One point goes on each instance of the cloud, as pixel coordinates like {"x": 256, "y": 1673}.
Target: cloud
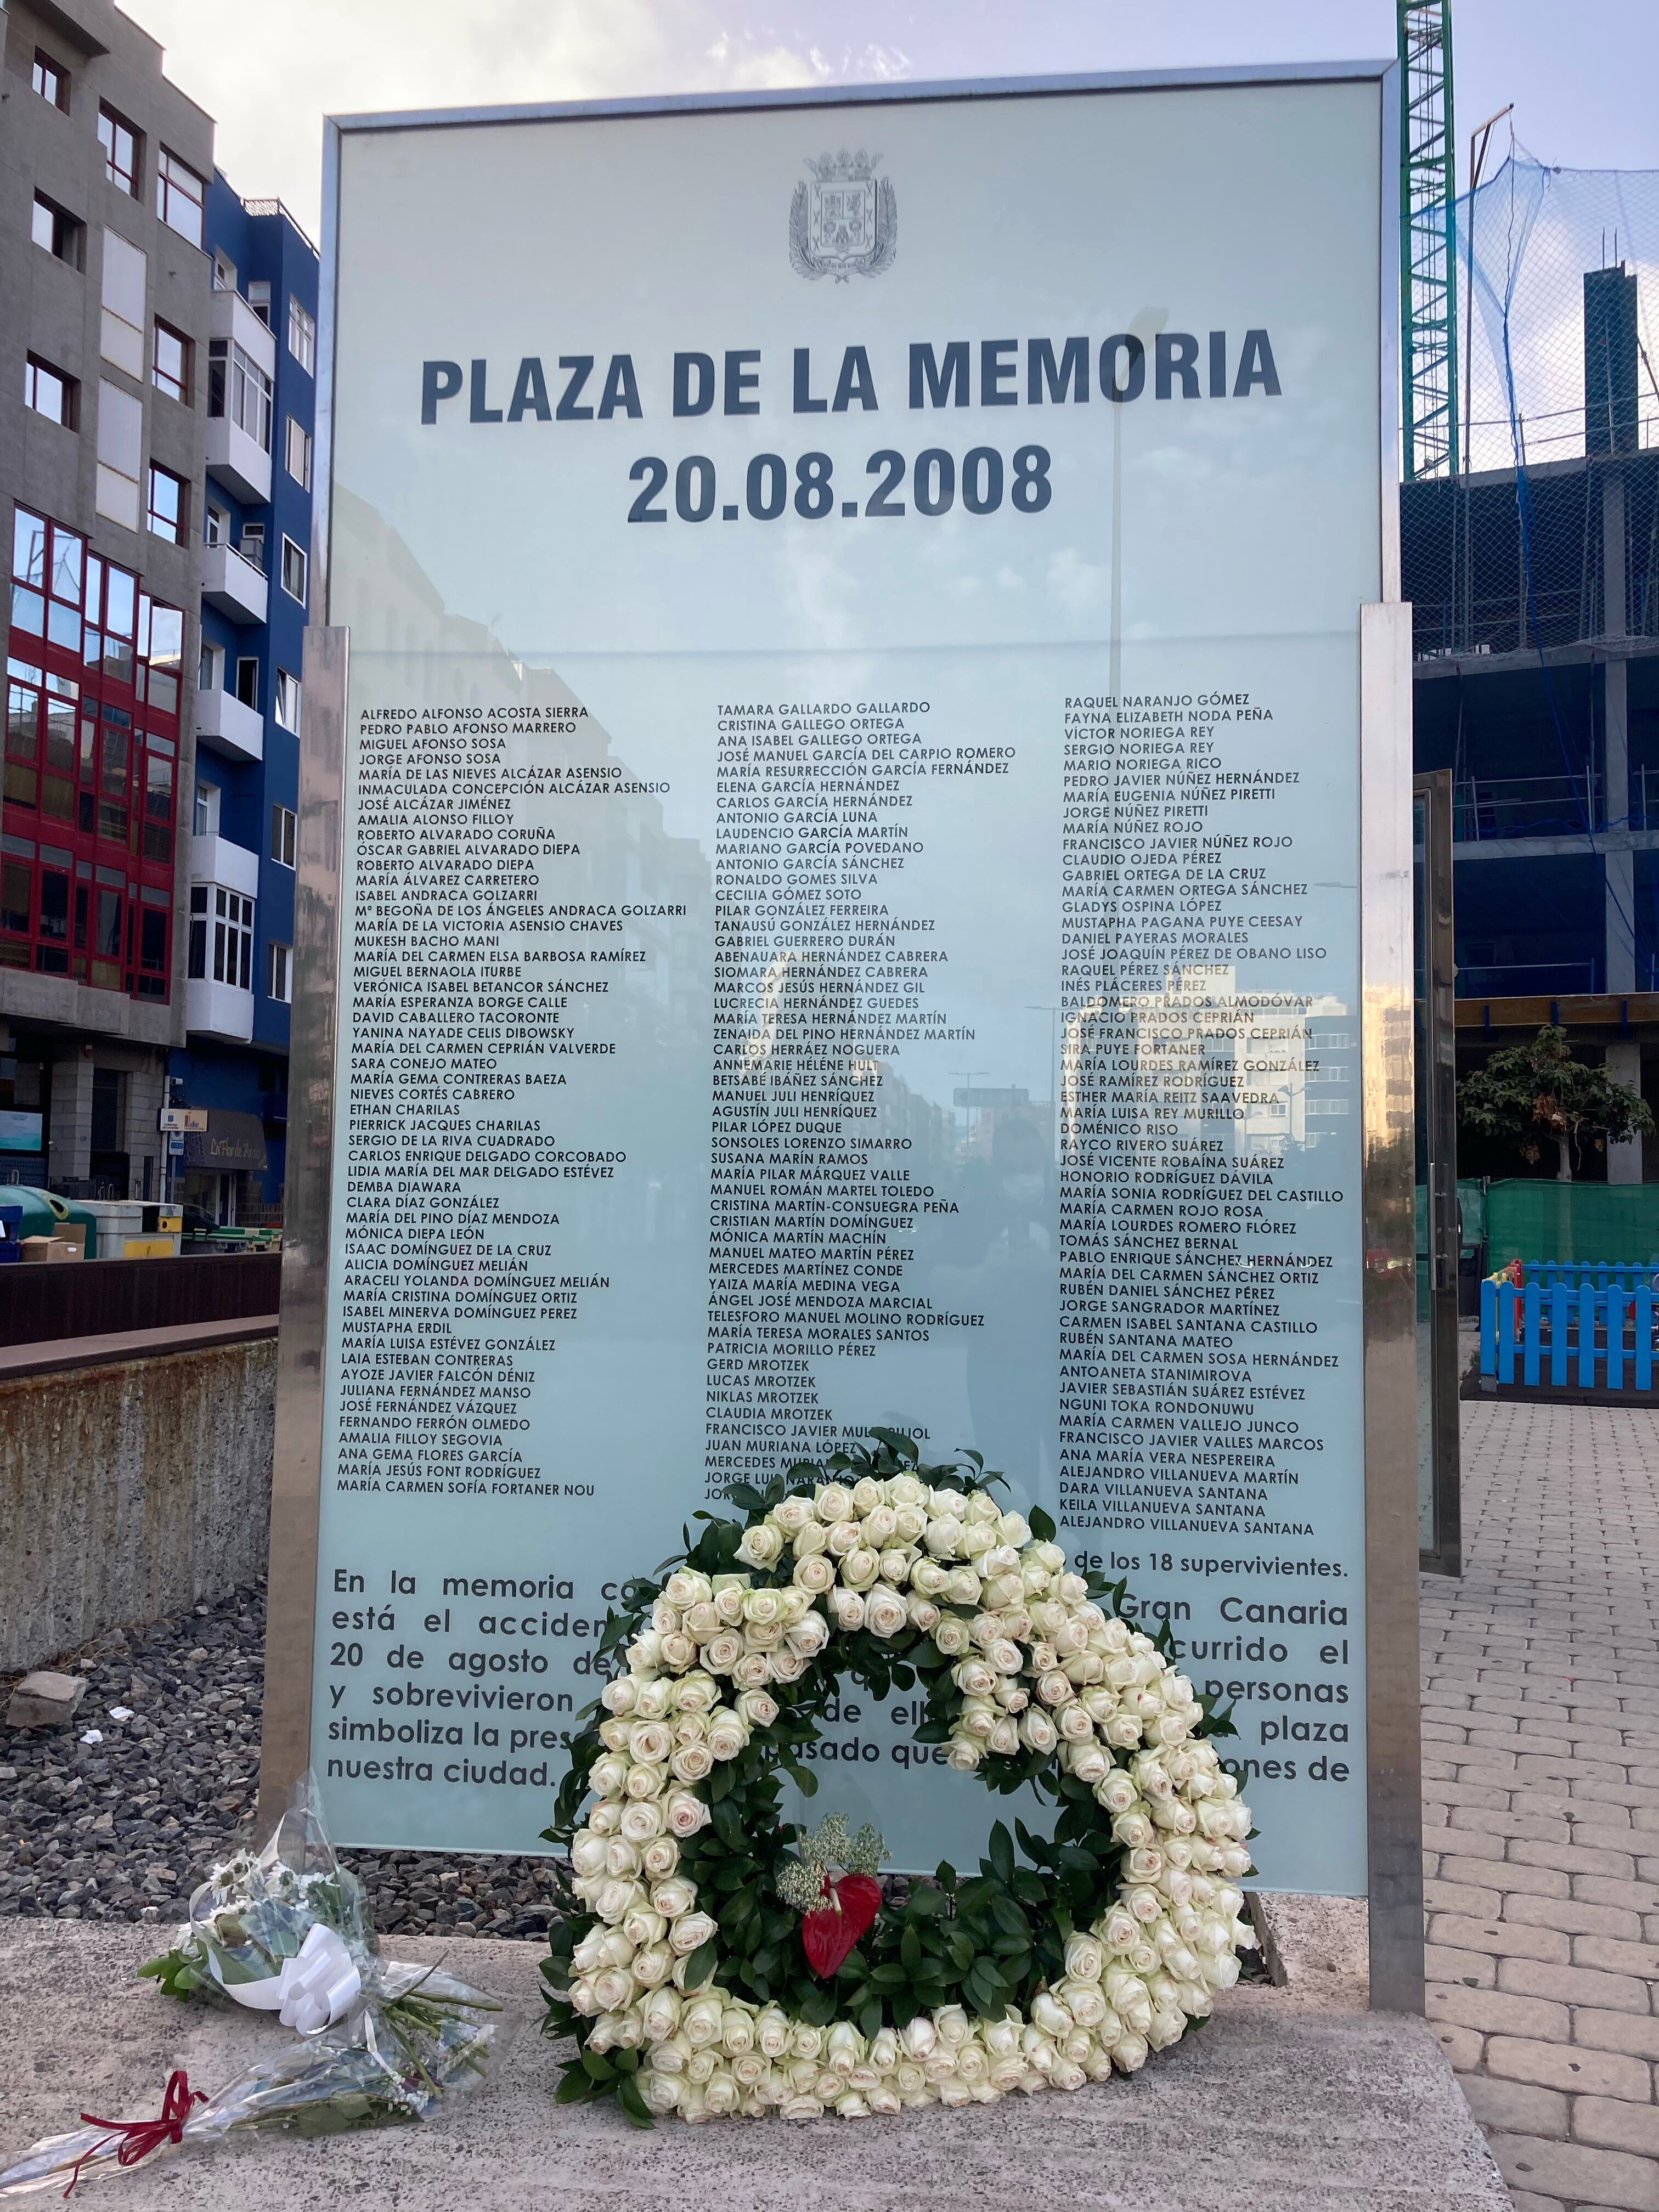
{"x": 269, "y": 76}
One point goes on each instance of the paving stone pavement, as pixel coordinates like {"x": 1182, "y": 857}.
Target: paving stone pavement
{"x": 1541, "y": 1744}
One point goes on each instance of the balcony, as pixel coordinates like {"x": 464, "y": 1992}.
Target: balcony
{"x": 233, "y": 585}
{"x": 239, "y": 462}
{"x": 218, "y": 1010}
{"x": 217, "y": 860}
{"x": 224, "y": 723}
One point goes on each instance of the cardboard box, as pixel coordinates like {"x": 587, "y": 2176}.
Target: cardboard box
{"x": 48, "y": 1250}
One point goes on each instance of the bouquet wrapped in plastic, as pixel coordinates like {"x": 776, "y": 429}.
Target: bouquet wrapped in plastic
{"x": 387, "y": 2063}
{"x": 288, "y": 1931}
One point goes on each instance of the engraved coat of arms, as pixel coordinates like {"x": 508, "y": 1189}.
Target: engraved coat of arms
{"x": 845, "y": 222}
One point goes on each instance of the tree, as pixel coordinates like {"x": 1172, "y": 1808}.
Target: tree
{"x": 1535, "y": 1093}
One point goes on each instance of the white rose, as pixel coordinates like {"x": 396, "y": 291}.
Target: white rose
{"x": 662, "y": 1855}
{"x": 1037, "y": 1730}
{"x": 787, "y": 1665}
{"x": 692, "y": 1762}
{"x": 646, "y": 1781}
{"x": 618, "y": 1695}
{"x": 928, "y": 1576}
{"x": 687, "y": 1814}
{"x": 606, "y": 1776}
{"x": 845, "y": 1538}
{"x": 964, "y": 1588}
{"x": 586, "y": 1852}
{"x": 737, "y": 2031}
{"x": 721, "y": 1653}
{"x": 690, "y": 1930}
{"x": 690, "y": 1727}
{"x": 616, "y": 1900}
{"x": 963, "y": 1756}
{"x": 613, "y": 1733}
{"x": 762, "y": 1546}
{"x": 696, "y": 1693}
{"x": 811, "y": 1541}
{"x": 793, "y": 1514}
{"x": 848, "y": 1608}
{"x": 809, "y": 1635}
{"x": 919, "y": 2036}
{"x": 1123, "y": 1731}
{"x": 922, "y": 1613}
{"x": 703, "y": 1620}
{"x": 859, "y": 1569}
{"x": 726, "y": 1735}
{"x": 1004, "y": 1738}
{"x": 880, "y": 1526}
{"x": 896, "y": 1565}
{"x": 653, "y": 1967}
{"x": 753, "y": 1671}
{"x": 1074, "y": 1724}
{"x": 1135, "y": 1831}
{"x": 950, "y": 1637}
{"x": 1089, "y": 1763}
{"x": 605, "y": 1818}
{"x": 614, "y": 1989}
{"x": 944, "y": 1537}
{"x": 650, "y": 1741}
{"x": 665, "y": 1617}
{"x": 978, "y": 1719}
{"x": 815, "y": 1575}
{"x": 729, "y": 1591}
{"x": 622, "y": 1858}
{"x": 1053, "y": 1688}
{"x": 685, "y": 1586}
{"x": 644, "y": 1926}
{"x": 756, "y": 1709}
{"x": 700, "y": 2022}
{"x": 973, "y": 1677}
{"x": 1005, "y": 1656}
{"x": 884, "y": 1612}
{"x": 1085, "y": 1960}
{"x": 833, "y": 1502}
{"x": 678, "y": 1651}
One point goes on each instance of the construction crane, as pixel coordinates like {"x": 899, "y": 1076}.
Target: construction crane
{"x": 1428, "y": 238}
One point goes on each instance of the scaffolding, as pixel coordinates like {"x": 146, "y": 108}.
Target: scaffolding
{"x": 1428, "y": 259}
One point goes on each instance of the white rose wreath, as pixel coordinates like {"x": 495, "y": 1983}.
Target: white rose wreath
{"x": 707, "y": 1958}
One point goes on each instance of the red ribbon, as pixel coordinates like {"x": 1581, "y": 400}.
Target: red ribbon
{"x": 143, "y": 2136}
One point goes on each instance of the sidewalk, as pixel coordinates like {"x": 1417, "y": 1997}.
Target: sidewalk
{"x": 1541, "y": 1727}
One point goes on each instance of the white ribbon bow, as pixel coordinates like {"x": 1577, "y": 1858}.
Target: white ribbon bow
{"x": 312, "y": 1990}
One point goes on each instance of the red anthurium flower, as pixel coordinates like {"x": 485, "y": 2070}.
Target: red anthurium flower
{"x": 830, "y": 1929}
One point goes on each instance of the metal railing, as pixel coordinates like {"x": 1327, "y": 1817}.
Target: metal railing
{"x": 1527, "y": 806}
{"x": 1528, "y": 980}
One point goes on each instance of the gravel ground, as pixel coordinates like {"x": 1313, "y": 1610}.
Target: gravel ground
{"x": 125, "y": 1828}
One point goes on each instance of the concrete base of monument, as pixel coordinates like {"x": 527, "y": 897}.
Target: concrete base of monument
{"x": 1280, "y": 2104}
{"x": 1315, "y": 1944}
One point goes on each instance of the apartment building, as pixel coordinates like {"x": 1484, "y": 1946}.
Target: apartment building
{"x": 255, "y": 555}
{"x": 105, "y": 301}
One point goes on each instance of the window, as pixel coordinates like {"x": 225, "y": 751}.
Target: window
{"x": 302, "y": 336}
{"x": 122, "y": 335}
{"x": 288, "y": 700}
{"x": 279, "y": 975}
{"x": 211, "y": 669}
{"x": 206, "y": 822}
{"x": 180, "y": 195}
{"x": 121, "y": 447}
{"x": 224, "y": 272}
{"x": 283, "y": 827}
{"x": 152, "y": 948}
{"x": 158, "y": 807}
{"x": 298, "y": 452}
{"x": 247, "y": 682}
{"x": 294, "y": 571}
{"x": 258, "y": 298}
{"x": 231, "y": 916}
{"x": 170, "y": 361}
{"x": 216, "y": 526}
{"x": 252, "y": 547}
{"x": 238, "y": 387}
{"x": 51, "y": 80}
{"x": 168, "y": 515}
{"x": 121, "y": 145}
{"x": 57, "y": 231}
{"x": 50, "y": 392}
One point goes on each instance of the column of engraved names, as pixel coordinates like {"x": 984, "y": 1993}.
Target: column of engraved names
{"x": 1181, "y": 1089}
{"x": 452, "y": 1023}
{"x": 822, "y": 980}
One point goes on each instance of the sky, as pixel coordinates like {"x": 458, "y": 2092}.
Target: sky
{"x": 1581, "y": 75}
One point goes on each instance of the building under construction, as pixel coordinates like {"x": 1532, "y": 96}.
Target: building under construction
{"x": 1531, "y": 554}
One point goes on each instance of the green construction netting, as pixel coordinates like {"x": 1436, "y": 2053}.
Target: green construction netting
{"x": 1537, "y": 1220}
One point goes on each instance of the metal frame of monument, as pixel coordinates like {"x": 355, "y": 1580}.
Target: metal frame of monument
{"x": 1393, "y": 1733}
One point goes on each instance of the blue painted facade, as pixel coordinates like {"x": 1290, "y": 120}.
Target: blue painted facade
{"x": 274, "y": 263}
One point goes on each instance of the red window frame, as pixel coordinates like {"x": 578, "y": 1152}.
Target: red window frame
{"x": 89, "y": 798}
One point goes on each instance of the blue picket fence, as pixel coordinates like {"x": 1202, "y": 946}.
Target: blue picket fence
{"x": 1585, "y": 1323}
